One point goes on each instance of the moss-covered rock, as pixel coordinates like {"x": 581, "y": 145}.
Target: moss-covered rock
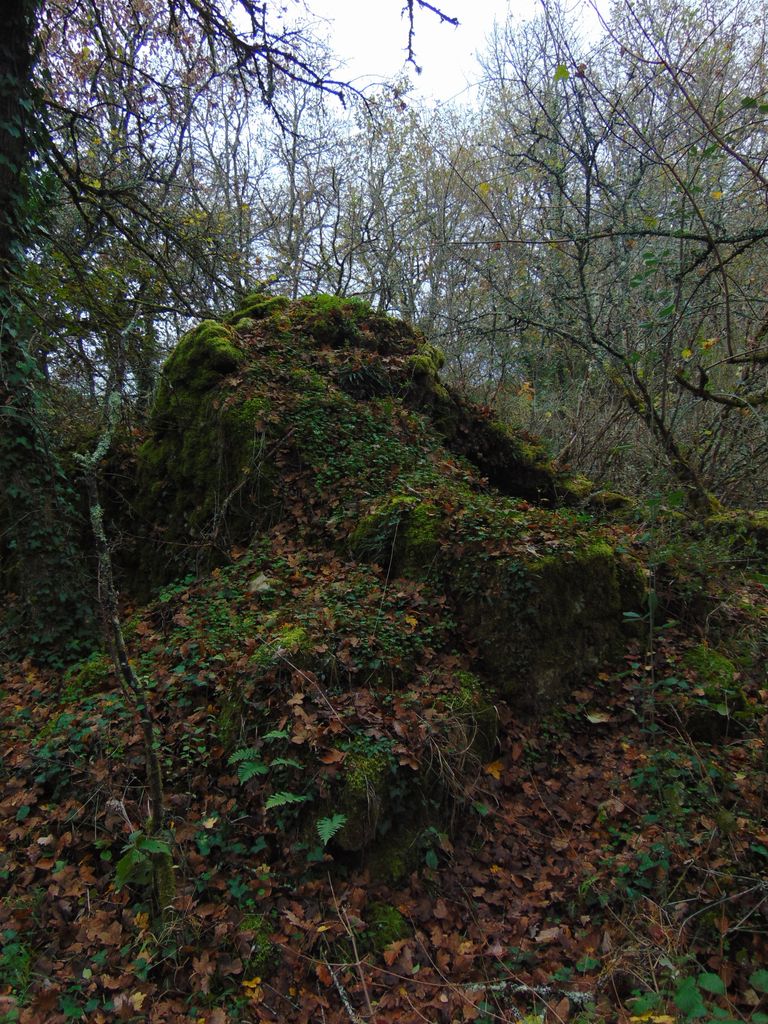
{"x": 401, "y": 533}
{"x": 610, "y": 501}
{"x": 713, "y": 670}
{"x": 372, "y": 562}
{"x": 718, "y": 706}
{"x": 203, "y": 475}
{"x": 426, "y": 363}
{"x": 331, "y": 320}
{"x": 541, "y": 622}
{"x": 364, "y": 793}
{"x": 254, "y": 307}
{"x": 745, "y": 531}
{"x": 537, "y": 613}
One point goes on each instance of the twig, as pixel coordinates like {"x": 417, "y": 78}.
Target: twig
{"x": 351, "y": 1012}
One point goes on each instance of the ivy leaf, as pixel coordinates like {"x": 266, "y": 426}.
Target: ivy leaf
{"x": 328, "y": 827}
{"x": 587, "y": 963}
{"x": 759, "y": 981}
{"x": 562, "y": 74}
{"x": 148, "y": 844}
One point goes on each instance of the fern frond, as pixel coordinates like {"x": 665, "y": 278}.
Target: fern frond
{"x": 245, "y": 754}
{"x": 285, "y": 762}
{"x": 328, "y": 827}
{"x": 248, "y": 769}
{"x": 279, "y": 799}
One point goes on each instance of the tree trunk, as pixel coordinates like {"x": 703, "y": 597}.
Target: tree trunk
{"x": 39, "y": 557}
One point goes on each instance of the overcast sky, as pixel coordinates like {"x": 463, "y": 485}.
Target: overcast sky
{"x": 371, "y": 36}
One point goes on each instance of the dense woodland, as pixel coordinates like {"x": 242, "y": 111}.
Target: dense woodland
{"x": 383, "y": 520}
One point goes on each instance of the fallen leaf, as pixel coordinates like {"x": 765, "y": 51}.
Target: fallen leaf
{"x": 562, "y": 1011}
{"x": 323, "y": 974}
{"x": 260, "y": 584}
{"x": 332, "y": 756}
{"x": 392, "y": 951}
{"x": 598, "y": 717}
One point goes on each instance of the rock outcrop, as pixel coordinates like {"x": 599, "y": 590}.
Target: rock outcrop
{"x": 371, "y": 536}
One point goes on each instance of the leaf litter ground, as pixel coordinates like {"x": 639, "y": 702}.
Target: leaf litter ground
{"x": 602, "y": 853}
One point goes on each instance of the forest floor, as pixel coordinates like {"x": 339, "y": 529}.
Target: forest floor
{"x": 610, "y": 867}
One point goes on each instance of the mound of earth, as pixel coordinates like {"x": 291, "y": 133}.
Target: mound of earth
{"x": 369, "y": 564}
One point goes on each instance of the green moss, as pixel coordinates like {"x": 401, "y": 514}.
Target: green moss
{"x": 89, "y": 676}
{"x": 364, "y": 793}
{"x": 401, "y": 534}
{"x": 291, "y": 643}
{"x": 197, "y": 364}
{"x": 714, "y": 671}
{"x": 264, "y": 953}
{"x": 719, "y": 706}
{"x": 385, "y": 925}
{"x": 421, "y": 366}
{"x": 581, "y": 487}
{"x": 476, "y": 713}
{"x": 164, "y": 883}
{"x": 611, "y": 501}
{"x": 229, "y": 722}
{"x": 257, "y": 306}
{"x": 330, "y": 319}
{"x": 426, "y": 362}
{"x": 525, "y": 450}
{"x": 203, "y": 478}
{"x": 745, "y": 532}
{"x": 365, "y": 770}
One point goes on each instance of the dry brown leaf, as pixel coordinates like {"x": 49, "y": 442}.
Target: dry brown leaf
{"x": 332, "y": 756}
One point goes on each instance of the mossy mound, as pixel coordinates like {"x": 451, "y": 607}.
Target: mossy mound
{"x": 323, "y": 383}
{"x": 202, "y": 478}
{"x": 745, "y": 531}
{"x": 324, "y": 414}
{"x": 540, "y": 597}
{"x": 717, "y": 706}
{"x": 390, "y": 578}
{"x": 261, "y": 954}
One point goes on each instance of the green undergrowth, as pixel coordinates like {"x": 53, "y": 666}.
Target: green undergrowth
{"x": 407, "y": 691}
